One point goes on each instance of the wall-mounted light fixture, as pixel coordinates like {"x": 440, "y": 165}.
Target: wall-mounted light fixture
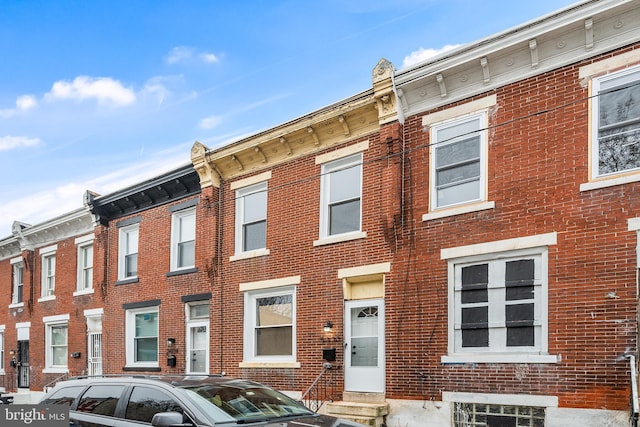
{"x": 171, "y": 342}
{"x": 328, "y": 326}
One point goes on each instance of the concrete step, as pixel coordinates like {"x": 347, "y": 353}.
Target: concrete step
{"x": 371, "y": 414}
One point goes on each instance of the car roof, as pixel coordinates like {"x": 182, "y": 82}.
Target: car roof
{"x": 172, "y": 380}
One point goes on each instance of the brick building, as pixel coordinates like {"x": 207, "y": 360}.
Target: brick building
{"x": 459, "y": 241}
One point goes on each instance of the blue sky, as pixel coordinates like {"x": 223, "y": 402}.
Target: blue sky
{"x": 99, "y": 95}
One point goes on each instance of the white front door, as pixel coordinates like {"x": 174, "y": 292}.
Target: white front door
{"x": 197, "y": 348}
{"x": 364, "y": 346}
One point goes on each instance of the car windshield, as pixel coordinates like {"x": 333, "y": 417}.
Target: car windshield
{"x": 249, "y": 402}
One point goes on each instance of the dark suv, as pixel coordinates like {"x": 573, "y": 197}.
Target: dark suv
{"x": 180, "y": 401}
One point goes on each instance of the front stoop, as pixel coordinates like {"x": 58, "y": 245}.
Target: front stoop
{"x": 370, "y": 414}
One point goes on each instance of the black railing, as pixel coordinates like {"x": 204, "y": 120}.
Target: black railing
{"x": 323, "y": 388}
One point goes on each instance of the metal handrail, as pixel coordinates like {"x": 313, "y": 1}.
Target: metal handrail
{"x": 48, "y": 386}
{"x": 321, "y": 390}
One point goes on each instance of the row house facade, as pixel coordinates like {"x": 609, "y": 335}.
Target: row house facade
{"x": 455, "y": 246}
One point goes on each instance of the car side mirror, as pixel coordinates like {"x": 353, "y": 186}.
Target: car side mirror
{"x": 168, "y": 419}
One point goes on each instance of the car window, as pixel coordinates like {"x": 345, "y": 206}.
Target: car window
{"x": 64, "y": 396}
{"x": 145, "y": 402}
{"x": 101, "y": 399}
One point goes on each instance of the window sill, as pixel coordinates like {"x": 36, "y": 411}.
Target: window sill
{"x": 16, "y": 305}
{"x": 250, "y": 254}
{"x": 126, "y": 281}
{"x": 269, "y": 364}
{"x": 55, "y": 370}
{"x": 340, "y": 238}
{"x": 181, "y": 272}
{"x": 500, "y": 358}
{"x": 83, "y": 292}
{"x": 458, "y": 210}
{"x": 45, "y": 299}
{"x": 609, "y": 182}
{"x": 154, "y": 368}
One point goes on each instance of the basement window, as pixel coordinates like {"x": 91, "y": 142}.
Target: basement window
{"x": 485, "y": 415}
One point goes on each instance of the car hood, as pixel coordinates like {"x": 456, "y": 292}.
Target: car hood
{"x": 312, "y": 421}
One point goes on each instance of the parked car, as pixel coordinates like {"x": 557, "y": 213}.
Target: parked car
{"x": 165, "y": 401}
{"x": 5, "y": 399}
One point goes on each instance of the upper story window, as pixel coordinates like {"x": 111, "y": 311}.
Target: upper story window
{"x": 84, "y": 282}
{"x": 616, "y": 123}
{"x": 251, "y": 218}
{"x": 341, "y": 196}
{"x": 458, "y": 161}
{"x": 17, "y": 269}
{"x": 498, "y": 303}
{"x": 48, "y": 275}
{"x": 128, "y": 252}
{"x": 142, "y": 337}
{"x": 183, "y": 239}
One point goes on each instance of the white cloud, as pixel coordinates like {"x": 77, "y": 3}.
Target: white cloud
{"x": 23, "y": 103}
{"x": 186, "y": 54}
{"x": 103, "y": 89}
{"x": 424, "y": 54}
{"x": 210, "y": 122}
{"x": 11, "y": 142}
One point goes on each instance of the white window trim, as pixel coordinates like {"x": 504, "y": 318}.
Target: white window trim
{"x": 197, "y": 322}
{"x": 130, "y": 336}
{"x": 501, "y": 399}
{"x": 45, "y": 253}
{"x": 175, "y": 238}
{"x": 482, "y": 118}
{"x": 249, "y": 358}
{"x": 81, "y": 244}
{"x": 49, "y": 322}
{"x": 326, "y": 169}
{"x": 241, "y": 192}
{"x": 2, "y": 348}
{"x": 122, "y": 231}
{"x": 529, "y": 245}
{"x": 12, "y": 262}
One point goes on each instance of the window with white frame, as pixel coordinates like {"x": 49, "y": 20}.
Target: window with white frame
{"x": 84, "y": 280}
{"x": 17, "y": 269}
{"x": 458, "y": 161}
{"x": 251, "y": 218}
{"x": 499, "y": 303}
{"x": 616, "y": 123}
{"x": 128, "y": 252}
{"x": 142, "y": 337}
{"x": 1, "y": 348}
{"x": 56, "y": 343}
{"x": 341, "y": 196}
{"x": 48, "y": 281}
{"x": 183, "y": 239}
{"x": 270, "y": 325}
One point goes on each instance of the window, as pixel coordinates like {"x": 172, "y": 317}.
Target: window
{"x": 85, "y": 267}
{"x": 616, "y": 123}
{"x": 142, "y": 337}
{"x": 128, "y": 252}
{"x": 64, "y": 396}
{"x": 458, "y": 163}
{"x": 481, "y": 414}
{"x": 340, "y": 198}
{"x": 48, "y": 282}
{"x": 145, "y": 402}
{"x": 251, "y": 218}
{"x": 18, "y": 282}
{"x": 270, "y": 329}
{"x": 101, "y": 399}
{"x": 56, "y": 343}
{"x": 183, "y": 239}
{"x": 2, "y": 349}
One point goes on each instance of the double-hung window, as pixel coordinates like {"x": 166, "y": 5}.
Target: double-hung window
{"x": 2, "y": 349}
{"x": 251, "y": 218}
{"x": 458, "y": 161}
{"x": 183, "y": 239}
{"x": 84, "y": 282}
{"x": 341, "y": 196}
{"x": 616, "y": 123}
{"x": 48, "y": 274}
{"x": 17, "y": 269}
{"x": 498, "y": 302}
{"x": 128, "y": 252}
{"x": 142, "y": 337}
{"x": 56, "y": 343}
{"x": 270, "y": 325}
